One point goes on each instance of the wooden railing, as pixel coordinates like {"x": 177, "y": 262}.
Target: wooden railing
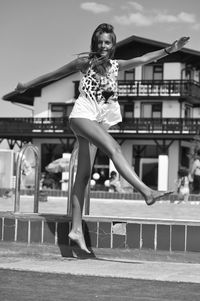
{"x": 60, "y": 126}
{"x": 155, "y": 88}
{"x": 34, "y": 125}
{"x": 159, "y": 126}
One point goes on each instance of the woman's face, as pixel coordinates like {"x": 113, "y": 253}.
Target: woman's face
{"x": 104, "y": 44}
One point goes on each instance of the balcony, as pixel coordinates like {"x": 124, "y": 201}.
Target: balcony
{"x": 34, "y": 127}
{"x": 23, "y": 128}
{"x": 166, "y": 88}
{"x": 156, "y": 88}
{"x": 175, "y": 126}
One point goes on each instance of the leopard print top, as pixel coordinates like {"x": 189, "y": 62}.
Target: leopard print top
{"x": 100, "y": 88}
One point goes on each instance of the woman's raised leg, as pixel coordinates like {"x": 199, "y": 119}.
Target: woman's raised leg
{"x": 86, "y": 155}
{"x": 94, "y": 132}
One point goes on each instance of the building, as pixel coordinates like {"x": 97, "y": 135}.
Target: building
{"x": 160, "y": 104}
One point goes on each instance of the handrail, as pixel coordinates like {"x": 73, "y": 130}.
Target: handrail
{"x": 55, "y": 127}
{"x": 175, "y": 126}
{"x": 155, "y": 88}
{"x": 18, "y": 177}
{"x": 166, "y": 88}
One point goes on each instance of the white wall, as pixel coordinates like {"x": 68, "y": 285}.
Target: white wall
{"x": 60, "y": 91}
{"x": 196, "y": 112}
{"x": 137, "y": 109}
{"x": 171, "y": 109}
{"x": 172, "y": 71}
{"x": 121, "y": 75}
{"x": 138, "y": 73}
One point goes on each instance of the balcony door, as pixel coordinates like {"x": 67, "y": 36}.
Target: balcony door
{"x": 187, "y": 111}
{"x": 151, "y": 110}
{"x": 152, "y": 72}
{"x": 145, "y": 162}
{"x": 149, "y": 171}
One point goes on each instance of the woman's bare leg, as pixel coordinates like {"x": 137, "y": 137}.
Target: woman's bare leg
{"x": 86, "y": 155}
{"x": 93, "y": 132}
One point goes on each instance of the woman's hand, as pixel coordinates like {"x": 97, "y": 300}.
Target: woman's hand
{"x": 21, "y": 88}
{"x": 177, "y": 45}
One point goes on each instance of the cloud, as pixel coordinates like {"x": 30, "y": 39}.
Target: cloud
{"x": 137, "y": 19}
{"x": 132, "y": 5}
{"x": 187, "y": 18}
{"x": 143, "y": 18}
{"x": 94, "y": 7}
{"x": 165, "y": 18}
{"x": 136, "y": 5}
{"x": 182, "y": 17}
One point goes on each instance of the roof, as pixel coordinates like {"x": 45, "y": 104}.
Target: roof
{"x": 158, "y": 44}
{"x": 125, "y": 48}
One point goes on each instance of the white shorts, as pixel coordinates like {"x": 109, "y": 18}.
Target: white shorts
{"x": 108, "y": 114}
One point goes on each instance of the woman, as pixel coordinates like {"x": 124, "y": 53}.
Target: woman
{"x": 95, "y": 110}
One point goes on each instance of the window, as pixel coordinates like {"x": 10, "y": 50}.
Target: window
{"x": 61, "y": 110}
{"x": 153, "y": 72}
{"x": 128, "y": 111}
{"x": 151, "y": 110}
{"x": 187, "y": 112}
{"x": 129, "y": 75}
{"x": 157, "y": 72}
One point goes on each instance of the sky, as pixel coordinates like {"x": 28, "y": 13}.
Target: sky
{"x": 39, "y": 36}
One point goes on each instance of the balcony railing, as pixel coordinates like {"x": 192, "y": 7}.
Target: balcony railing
{"x": 25, "y": 126}
{"x": 59, "y": 127}
{"x": 159, "y": 126}
{"x": 155, "y": 88}
{"x": 167, "y": 88}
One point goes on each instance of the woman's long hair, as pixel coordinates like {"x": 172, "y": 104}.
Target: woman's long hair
{"x": 99, "y": 63}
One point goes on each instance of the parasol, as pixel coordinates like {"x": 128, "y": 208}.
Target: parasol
{"x": 59, "y": 165}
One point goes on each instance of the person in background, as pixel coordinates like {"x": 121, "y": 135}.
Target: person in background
{"x": 183, "y": 189}
{"x": 114, "y": 183}
{"x": 195, "y": 174}
{"x": 96, "y": 110}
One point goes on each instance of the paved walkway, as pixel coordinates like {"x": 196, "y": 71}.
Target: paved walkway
{"x": 177, "y": 267}
{"x": 133, "y": 265}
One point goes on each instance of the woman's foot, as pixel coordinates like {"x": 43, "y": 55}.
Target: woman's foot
{"x": 155, "y": 196}
{"x": 78, "y": 238}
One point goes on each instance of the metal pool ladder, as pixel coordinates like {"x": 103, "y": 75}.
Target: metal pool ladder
{"x": 18, "y": 177}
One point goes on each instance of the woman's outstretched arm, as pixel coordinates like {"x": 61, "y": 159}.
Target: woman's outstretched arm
{"x": 153, "y": 56}
{"x": 73, "y": 66}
